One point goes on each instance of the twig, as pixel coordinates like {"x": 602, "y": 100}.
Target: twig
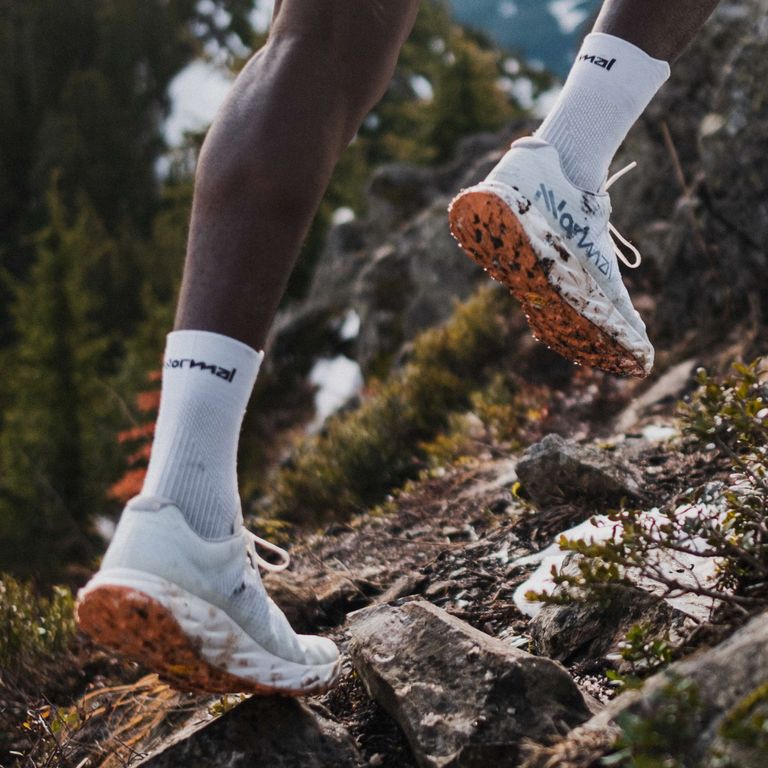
{"x": 686, "y": 190}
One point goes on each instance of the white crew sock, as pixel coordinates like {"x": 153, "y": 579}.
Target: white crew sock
{"x": 207, "y": 382}
{"x": 610, "y": 85}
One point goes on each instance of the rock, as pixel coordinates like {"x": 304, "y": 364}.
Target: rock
{"x": 410, "y": 284}
{"x": 699, "y": 709}
{"x": 670, "y": 387}
{"x": 264, "y": 731}
{"x": 297, "y": 598}
{"x": 441, "y": 588}
{"x": 464, "y": 699}
{"x": 554, "y": 471}
{"x": 398, "y": 191}
{"x": 313, "y": 601}
{"x": 408, "y": 584}
{"x": 398, "y": 267}
{"x": 338, "y": 594}
{"x": 588, "y": 630}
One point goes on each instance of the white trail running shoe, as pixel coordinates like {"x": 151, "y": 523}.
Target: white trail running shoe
{"x": 551, "y": 244}
{"x": 196, "y": 612}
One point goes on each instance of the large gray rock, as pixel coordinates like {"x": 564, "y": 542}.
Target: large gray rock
{"x": 398, "y": 267}
{"x": 263, "y": 731}
{"x": 409, "y": 285}
{"x": 554, "y": 471}
{"x": 699, "y": 711}
{"x": 463, "y": 698}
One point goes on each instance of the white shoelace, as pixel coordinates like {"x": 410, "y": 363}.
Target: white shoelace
{"x": 253, "y": 540}
{"x": 612, "y": 231}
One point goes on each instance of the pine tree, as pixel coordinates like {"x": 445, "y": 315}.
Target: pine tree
{"x": 60, "y": 414}
{"x": 84, "y": 93}
{"x": 467, "y": 98}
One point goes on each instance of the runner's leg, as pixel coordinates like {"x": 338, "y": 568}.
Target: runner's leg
{"x": 662, "y": 28}
{"x": 269, "y": 155}
{"x": 179, "y": 588}
{"x": 598, "y": 105}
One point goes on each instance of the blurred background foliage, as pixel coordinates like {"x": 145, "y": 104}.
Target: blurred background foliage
{"x": 93, "y": 219}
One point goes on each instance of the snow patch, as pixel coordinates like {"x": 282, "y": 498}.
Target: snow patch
{"x": 658, "y": 433}
{"x": 511, "y": 66}
{"x": 350, "y": 326}
{"x": 521, "y": 89}
{"x": 422, "y": 88}
{"x": 338, "y": 380}
{"x": 342, "y": 216}
{"x": 689, "y": 569}
{"x": 196, "y": 94}
{"x": 261, "y": 15}
{"x": 569, "y": 14}
{"x": 437, "y": 45}
{"x": 545, "y": 101}
{"x": 105, "y": 527}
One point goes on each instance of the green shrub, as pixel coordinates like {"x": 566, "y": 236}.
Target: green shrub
{"x": 747, "y": 723}
{"x": 508, "y": 409}
{"x": 500, "y": 417}
{"x": 731, "y": 413}
{"x": 661, "y": 737}
{"x": 31, "y": 626}
{"x": 362, "y": 455}
{"x": 728, "y": 416}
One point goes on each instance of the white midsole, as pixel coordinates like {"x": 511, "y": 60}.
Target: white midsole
{"x": 570, "y": 277}
{"x": 223, "y": 643}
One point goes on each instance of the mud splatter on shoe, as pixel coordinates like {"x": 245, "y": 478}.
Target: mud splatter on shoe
{"x": 553, "y": 246}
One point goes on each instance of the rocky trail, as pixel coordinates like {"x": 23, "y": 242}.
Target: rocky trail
{"x": 446, "y": 663}
{"x": 443, "y": 665}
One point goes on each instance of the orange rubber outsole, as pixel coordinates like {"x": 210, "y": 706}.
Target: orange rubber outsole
{"x": 493, "y": 237}
{"x": 140, "y": 628}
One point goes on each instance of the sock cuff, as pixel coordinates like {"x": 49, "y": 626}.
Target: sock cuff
{"x": 616, "y": 55}
{"x": 214, "y": 339}
{"x": 207, "y": 359}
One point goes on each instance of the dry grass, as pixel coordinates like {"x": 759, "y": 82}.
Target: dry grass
{"x": 111, "y": 727}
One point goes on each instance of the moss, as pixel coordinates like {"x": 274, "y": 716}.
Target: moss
{"x": 747, "y": 723}
{"x": 31, "y": 626}
{"x": 663, "y": 736}
{"x": 508, "y": 409}
{"x": 362, "y": 455}
{"x": 459, "y": 441}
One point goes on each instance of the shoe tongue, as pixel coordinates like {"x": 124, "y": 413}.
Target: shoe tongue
{"x": 149, "y": 503}
{"x": 530, "y": 142}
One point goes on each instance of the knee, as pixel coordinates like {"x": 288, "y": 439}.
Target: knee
{"x": 356, "y": 44}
